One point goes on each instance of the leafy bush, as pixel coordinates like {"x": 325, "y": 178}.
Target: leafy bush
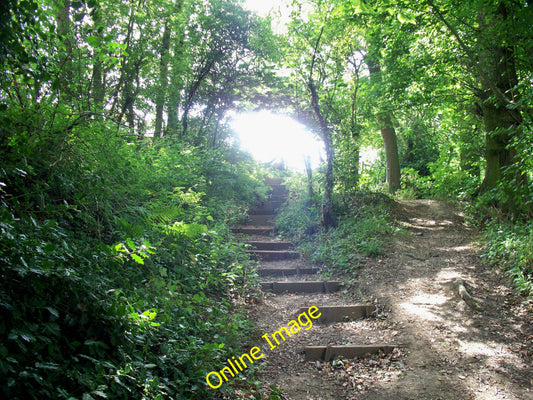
{"x": 510, "y": 247}
{"x": 418, "y": 147}
{"x": 414, "y": 186}
{"x": 119, "y": 274}
{"x": 364, "y": 224}
{"x": 446, "y": 181}
{"x": 299, "y": 218}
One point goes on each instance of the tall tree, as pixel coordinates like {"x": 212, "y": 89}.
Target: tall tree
{"x": 319, "y": 64}
{"x": 163, "y": 80}
{"x": 487, "y": 34}
{"x": 384, "y": 117}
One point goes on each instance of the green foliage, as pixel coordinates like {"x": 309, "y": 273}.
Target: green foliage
{"x": 299, "y": 217}
{"x": 419, "y": 148}
{"x": 445, "y": 181}
{"x": 509, "y": 247}
{"x": 364, "y": 226}
{"x": 119, "y": 273}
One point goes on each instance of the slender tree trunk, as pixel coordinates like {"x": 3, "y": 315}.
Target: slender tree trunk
{"x": 163, "y": 76}
{"x": 62, "y": 16}
{"x": 354, "y": 131}
{"x": 388, "y": 133}
{"x": 193, "y": 89}
{"x": 177, "y": 69}
{"x": 215, "y": 132}
{"x": 98, "y": 90}
{"x": 201, "y": 138}
{"x": 309, "y": 171}
{"x": 176, "y": 85}
{"x": 328, "y": 220}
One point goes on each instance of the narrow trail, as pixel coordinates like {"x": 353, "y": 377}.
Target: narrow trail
{"x": 457, "y": 349}
{"x": 433, "y": 344}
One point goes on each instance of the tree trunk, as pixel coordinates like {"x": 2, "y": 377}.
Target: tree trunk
{"x": 176, "y": 85}
{"x": 499, "y": 79}
{"x": 193, "y": 89}
{"x": 163, "y": 76}
{"x": 98, "y": 91}
{"x": 177, "y": 70}
{"x": 496, "y": 73}
{"x": 309, "y": 170}
{"x": 388, "y": 133}
{"x": 62, "y": 16}
{"x": 354, "y": 129}
{"x": 328, "y": 220}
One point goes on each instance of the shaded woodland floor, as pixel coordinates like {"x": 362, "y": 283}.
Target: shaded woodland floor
{"x": 448, "y": 348}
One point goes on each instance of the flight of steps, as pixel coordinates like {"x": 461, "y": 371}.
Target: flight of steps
{"x": 283, "y": 271}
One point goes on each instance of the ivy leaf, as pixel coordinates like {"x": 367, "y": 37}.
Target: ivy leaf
{"x": 406, "y": 19}
{"x": 53, "y": 311}
{"x": 137, "y": 259}
{"x": 131, "y": 245}
{"x": 93, "y": 41}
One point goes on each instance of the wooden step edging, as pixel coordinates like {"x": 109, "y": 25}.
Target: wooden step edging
{"x": 254, "y": 230}
{"x": 344, "y": 313}
{"x": 274, "y": 255}
{"x": 267, "y": 208}
{"x": 329, "y": 353}
{"x": 257, "y": 245}
{"x": 301, "y": 287}
{"x": 261, "y": 219}
{"x": 273, "y": 181}
{"x": 281, "y": 272}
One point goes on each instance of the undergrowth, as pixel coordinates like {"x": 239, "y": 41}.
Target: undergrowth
{"x": 364, "y": 226}
{"x": 119, "y": 277}
{"x": 510, "y": 247}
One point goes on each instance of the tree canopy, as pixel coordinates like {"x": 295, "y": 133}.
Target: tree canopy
{"x": 120, "y": 181}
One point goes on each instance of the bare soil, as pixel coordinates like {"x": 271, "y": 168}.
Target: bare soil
{"x": 448, "y": 348}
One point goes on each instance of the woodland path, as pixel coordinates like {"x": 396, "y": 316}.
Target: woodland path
{"x": 445, "y": 348}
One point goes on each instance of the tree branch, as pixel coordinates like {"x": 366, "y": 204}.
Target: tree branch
{"x": 454, "y": 31}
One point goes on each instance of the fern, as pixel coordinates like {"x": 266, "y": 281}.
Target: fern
{"x": 164, "y": 214}
{"x": 129, "y": 229}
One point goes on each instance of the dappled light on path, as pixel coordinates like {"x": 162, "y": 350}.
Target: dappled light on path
{"x": 457, "y": 348}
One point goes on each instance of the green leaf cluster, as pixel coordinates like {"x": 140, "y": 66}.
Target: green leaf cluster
{"x": 120, "y": 276}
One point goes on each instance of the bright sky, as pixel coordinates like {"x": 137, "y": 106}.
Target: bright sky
{"x": 263, "y": 7}
{"x": 279, "y": 7}
{"x": 268, "y": 136}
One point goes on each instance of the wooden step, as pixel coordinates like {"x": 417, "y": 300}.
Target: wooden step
{"x": 274, "y": 255}
{"x": 261, "y": 220}
{"x": 344, "y": 313}
{"x": 278, "y": 190}
{"x": 277, "y": 199}
{"x": 254, "y": 230}
{"x": 301, "y": 287}
{"x": 282, "y": 272}
{"x": 267, "y": 208}
{"x": 272, "y": 245}
{"x": 273, "y": 181}
{"x": 329, "y": 353}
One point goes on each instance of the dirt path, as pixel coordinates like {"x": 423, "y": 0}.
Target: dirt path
{"x": 448, "y": 349}
{"x": 455, "y": 351}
